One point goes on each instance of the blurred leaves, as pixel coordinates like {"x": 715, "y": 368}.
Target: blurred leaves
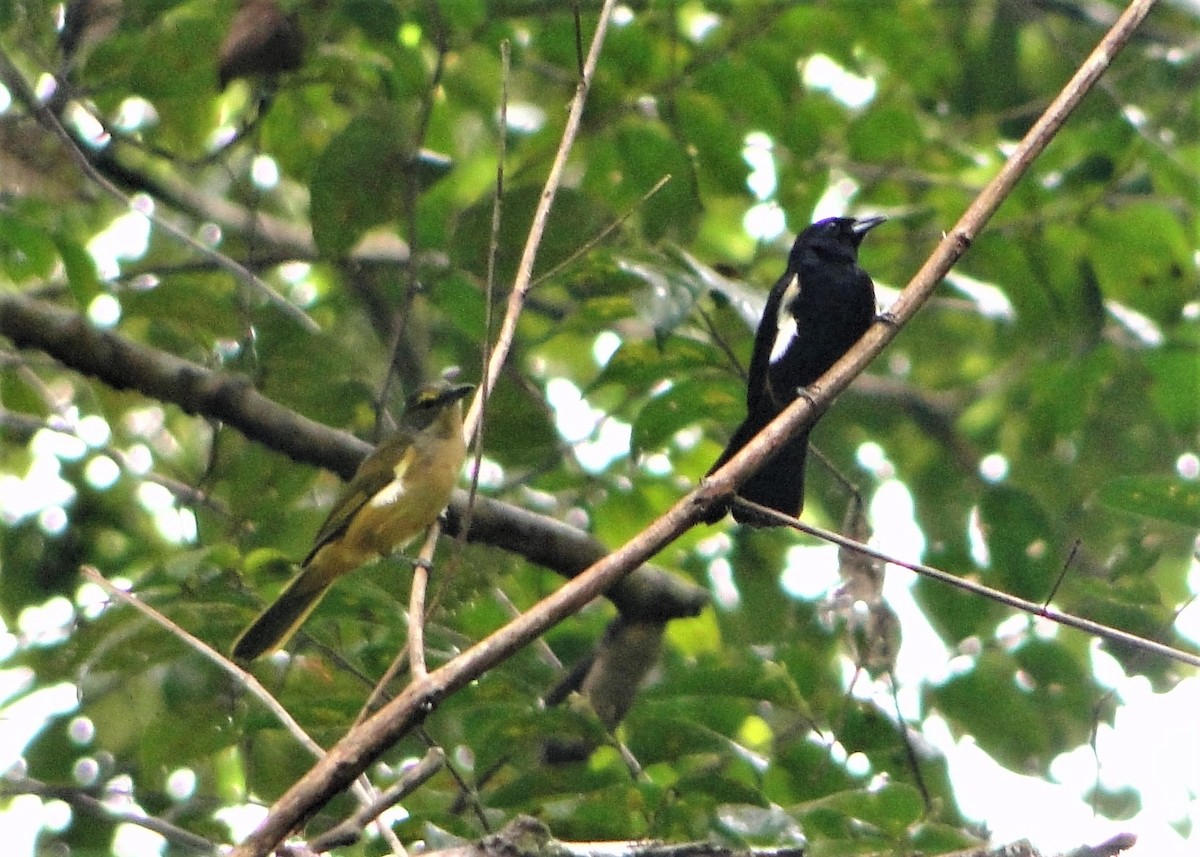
{"x": 1163, "y": 498}
{"x": 371, "y": 152}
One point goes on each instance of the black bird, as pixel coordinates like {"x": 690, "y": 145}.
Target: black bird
{"x": 816, "y": 311}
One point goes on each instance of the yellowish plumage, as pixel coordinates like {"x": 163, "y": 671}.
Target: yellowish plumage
{"x": 398, "y": 491}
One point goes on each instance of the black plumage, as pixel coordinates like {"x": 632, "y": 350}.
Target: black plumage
{"x": 816, "y": 311}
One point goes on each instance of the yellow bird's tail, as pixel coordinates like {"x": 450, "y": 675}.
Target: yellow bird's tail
{"x": 275, "y": 625}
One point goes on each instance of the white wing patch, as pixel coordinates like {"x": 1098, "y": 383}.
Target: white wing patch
{"x": 394, "y": 490}
{"x": 785, "y": 322}
{"x": 391, "y": 492}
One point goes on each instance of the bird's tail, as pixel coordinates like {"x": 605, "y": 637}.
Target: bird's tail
{"x": 275, "y": 625}
{"x": 740, "y": 438}
{"x": 779, "y": 485}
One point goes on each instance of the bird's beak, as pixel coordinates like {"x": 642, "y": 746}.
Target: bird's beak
{"x": 863, "y": 225}
{"x": 458, "y": 392}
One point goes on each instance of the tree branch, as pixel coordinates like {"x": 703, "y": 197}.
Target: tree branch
{"x": 524, "y": 276}
{"x": 80, "y": 800}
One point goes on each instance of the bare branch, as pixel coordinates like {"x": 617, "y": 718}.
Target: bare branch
{"x": 1031, "y": 607}
{"x": 521, "y": 284}
{"x": 84, "y": 802}
{"x": 239, "y": 675}
{"x": 350, "y": 831}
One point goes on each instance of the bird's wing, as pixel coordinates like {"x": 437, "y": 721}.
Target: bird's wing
{"x": 775, "y": 332}
{"x": 373, "y": 476}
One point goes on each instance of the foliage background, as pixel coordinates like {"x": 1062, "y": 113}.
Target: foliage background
{"x": 1041, "y": 409}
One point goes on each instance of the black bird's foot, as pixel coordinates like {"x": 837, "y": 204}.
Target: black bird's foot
{"x": 807, "y": 395}
{"x": 889, "y": 318}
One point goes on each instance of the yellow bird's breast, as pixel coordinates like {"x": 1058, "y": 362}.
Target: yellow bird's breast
{"x": 410, "y": 502}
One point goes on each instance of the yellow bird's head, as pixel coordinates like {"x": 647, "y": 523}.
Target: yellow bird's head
{"x": 431, "y": 401}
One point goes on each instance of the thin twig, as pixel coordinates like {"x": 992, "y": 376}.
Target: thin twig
{"x": 361, "y": 789}
{"x": 350, "y": 830}
{"x": 380, "y": 692}
{"x": 412, "y": 189}
{"x": 914, "y": 760}
{"x": 1062, "y": 575}
{"x": 81, "y": 800}
{"x": 723, "y": 344}
{"x": 587, "y": 246}
{"x": 1031, "y": 607}
{"x": 16, "y": 83}
{"x": 485, "y": 384}
{"x": 540, "y": 645}
{"x": 416, "y": 604}
{"x": 521, "y": 283}
{"x": 239, "y": 675}
{"x": 468, "y": 792}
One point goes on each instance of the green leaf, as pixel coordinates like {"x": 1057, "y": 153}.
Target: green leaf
{"x": 1176, "y": 389}
{"x": 1163, "y": 498}
{"x": 684, "y": 404}
{"x": 1023, "y": 554}
{"x": 26, "y": 251}
{"x": 705, "y": 125}
{"x": 891, "y": 809}
{"x": 1140, "y": 253}
{"x": 82, "y": 276}
{"x": 359, "y": 180}
{"x": 975, "y": 700}
{"x": 743, "y": 676}
{"x": 638, "y": 365}
{"x": 649, "y": 153}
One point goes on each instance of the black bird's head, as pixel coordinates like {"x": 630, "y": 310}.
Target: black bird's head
{"x": 834, "y": 239}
